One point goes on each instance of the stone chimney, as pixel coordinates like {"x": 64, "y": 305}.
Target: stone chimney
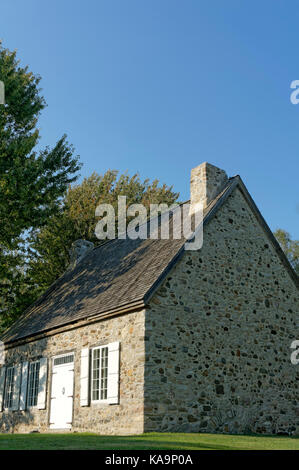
{"x": 207, "y": 181}
{"x": 78, "y": 251}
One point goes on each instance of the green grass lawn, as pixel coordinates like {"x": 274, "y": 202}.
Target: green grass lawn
{"x": 154, "y": 441}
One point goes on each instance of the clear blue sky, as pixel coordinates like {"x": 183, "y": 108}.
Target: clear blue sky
{"x": 159, "y": 86}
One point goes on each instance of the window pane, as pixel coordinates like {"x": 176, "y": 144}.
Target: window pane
{"x": 104, "y": 373}
{"x": 64, "y": 360}
{"x": 99, "y": 373}
{"x": 9, "y": 386}
{"x": 95, "y": 374}
{"x": 33, "y": 383}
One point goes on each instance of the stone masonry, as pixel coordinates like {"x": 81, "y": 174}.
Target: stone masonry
{"x": 206, "y": 182}
{"x": 218, "y": 335}
{"x": 125, "y": 418}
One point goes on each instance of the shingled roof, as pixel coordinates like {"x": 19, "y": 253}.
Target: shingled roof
{"x": 118, "y": 275}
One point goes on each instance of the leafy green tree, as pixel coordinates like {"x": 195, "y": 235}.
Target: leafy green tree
{"x": 32, "y": 181}
{"x": 50, "y": 246}
{"x": 15, "y": 291}
{"x": 289, "y": 246}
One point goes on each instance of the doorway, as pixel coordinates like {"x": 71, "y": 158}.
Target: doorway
{"x": 62, "y": 390}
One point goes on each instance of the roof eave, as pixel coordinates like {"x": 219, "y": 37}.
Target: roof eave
{"x": 126, "y": 308}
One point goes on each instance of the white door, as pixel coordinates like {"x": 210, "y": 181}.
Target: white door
{"x": 61, "y": 411}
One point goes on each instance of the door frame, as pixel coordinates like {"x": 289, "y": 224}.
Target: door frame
{"x": 69, "y": 353}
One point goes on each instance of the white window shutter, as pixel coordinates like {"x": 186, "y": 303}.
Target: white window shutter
{"x": 84, "y": 377}
{"x": 42, "y": 387}
{"x": 2, "y": 383}
{"x": 16, "y": 387}
{"x": 23, "y": 394}
{"x": 113, "y": 373}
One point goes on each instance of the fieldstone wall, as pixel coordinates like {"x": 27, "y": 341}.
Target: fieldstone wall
{"x": 218, "y": 335}
{"x": 125, "y": 418}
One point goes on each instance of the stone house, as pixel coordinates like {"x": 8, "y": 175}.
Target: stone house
{"x": 142, "y": 335}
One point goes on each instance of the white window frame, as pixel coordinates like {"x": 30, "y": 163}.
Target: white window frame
{"x": 28, "y": 382}
{"x": 5, "y": 388}
{"x": 99, "y": 400}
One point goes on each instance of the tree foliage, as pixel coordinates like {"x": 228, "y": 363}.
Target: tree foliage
{"x": 290, "y": 247}
{"x": 32, "y": 181}
{"x": 50, "y": 246}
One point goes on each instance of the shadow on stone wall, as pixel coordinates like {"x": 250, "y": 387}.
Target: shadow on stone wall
{"x": 31, "y": 419}
{"x": 12, "y": 421}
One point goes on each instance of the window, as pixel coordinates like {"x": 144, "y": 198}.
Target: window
{"x": 58, "y": 361}
{"x": 33, "y": 383}
{"x": 99, "y": 373}
{"x": 9, "y": 386}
